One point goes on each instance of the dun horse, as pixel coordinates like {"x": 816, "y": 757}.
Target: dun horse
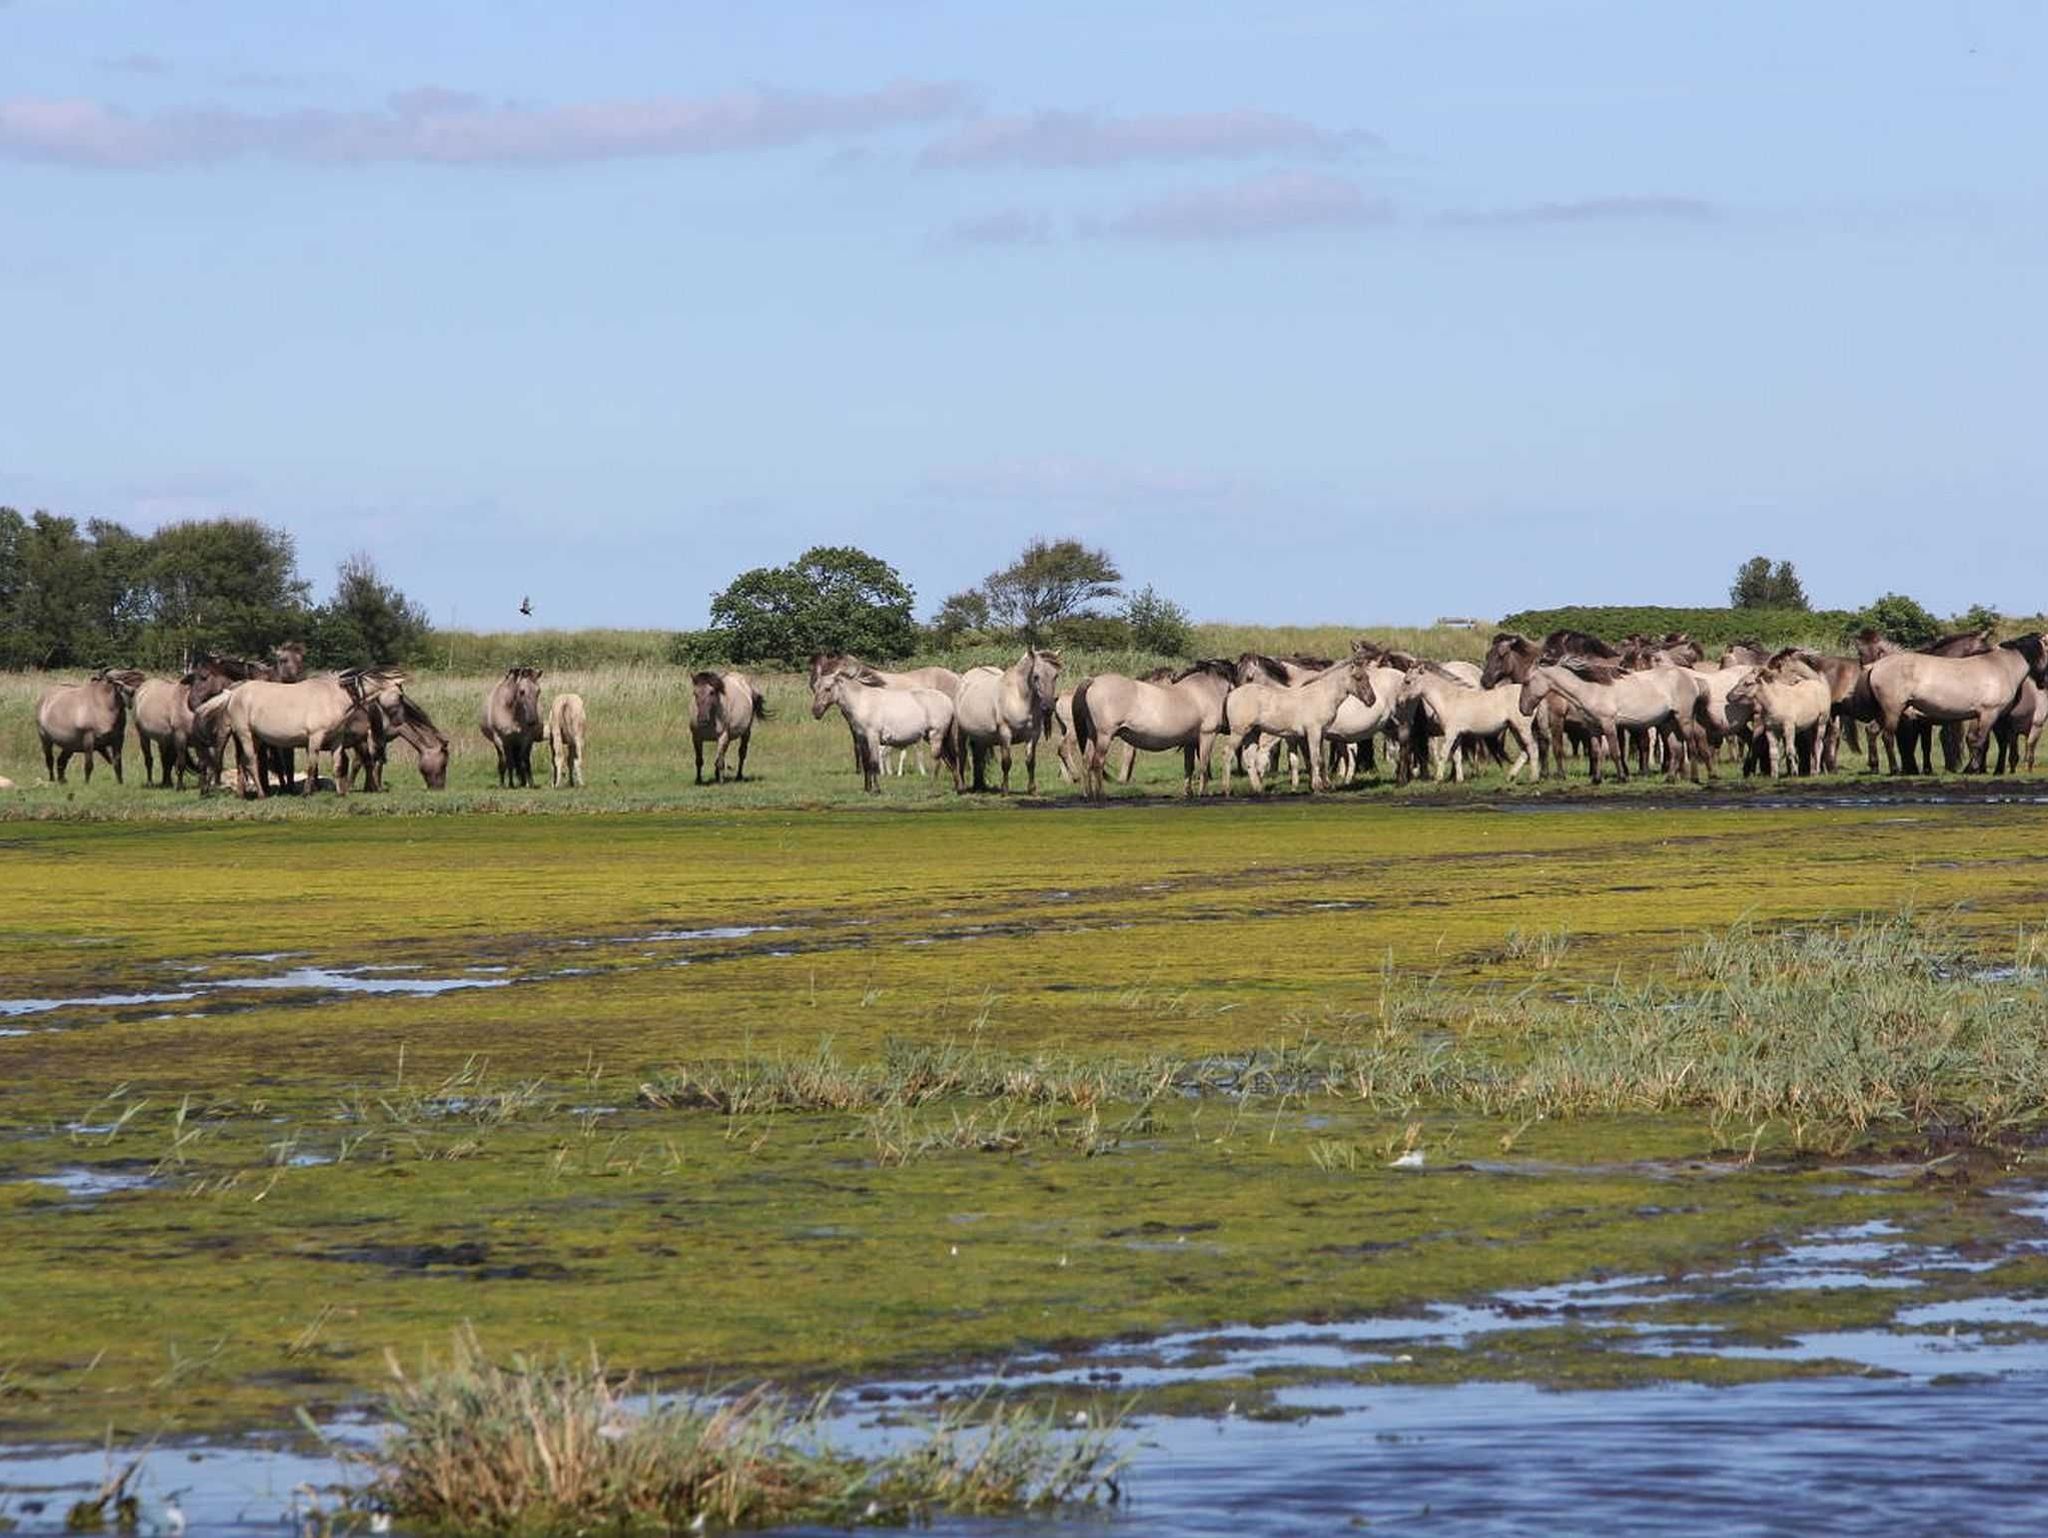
{"x": 1001, "y": 707}
{"x": 882, "y": 718}
{"x": 723, "y": 709}
{"x": 1186, "y": 713}
{"x": 87, "y": 718}
{"x": 564, "y": 734}
{"x": 512, "y": 724}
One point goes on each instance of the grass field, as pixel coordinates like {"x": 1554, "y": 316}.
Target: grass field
{"x": 766, "y": 1094}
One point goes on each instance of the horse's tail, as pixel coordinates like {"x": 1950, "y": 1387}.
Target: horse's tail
{"x": 1084, "y": 718}
{"x": 761, "y": 706}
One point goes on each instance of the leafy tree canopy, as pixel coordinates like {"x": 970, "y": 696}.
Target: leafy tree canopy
{"x": 1051, "y": 581}
{"x": 830, "y": 598}
{"x": 1760, "y": 585}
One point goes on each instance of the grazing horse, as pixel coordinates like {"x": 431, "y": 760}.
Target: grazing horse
{"x": 1001, "y": 707}
{"x": 1185, "y": 712}
{"x": 1457, "y": 710}
{"x": 881, "y": 718}
{"x": 1664, "y": 700}
{"x": 1973, "y": 691}
{"x": 1300, "y": 715}
{"x": 368, "y": 740}
{"x": 512, "y": 724}
{"x": 1792, "y": 708}
{"x": 163, "y": 720}
{"x": 564, "y": 734}
{"x": 87, "y": 718}
{"x": 314, "y": 715}
{"x": 723, "y": 710}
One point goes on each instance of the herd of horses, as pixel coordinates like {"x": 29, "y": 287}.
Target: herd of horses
{"x": 1531, "y": 706}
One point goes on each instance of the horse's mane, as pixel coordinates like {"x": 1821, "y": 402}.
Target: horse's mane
{"x": 707, "y": 680}
{"x": 1940, "y": 647}
{"x": 1577, "y": 643}
{"x": 1157, "y": 676}
{"x": 1402, "y": 660}
{"x": 1220, "y": 667}
{"x": 1440, "y": 671}
{"x": 1320, "y": 664}
{"x": 1514, "y": 640}
{"x": 1593, "y": 669}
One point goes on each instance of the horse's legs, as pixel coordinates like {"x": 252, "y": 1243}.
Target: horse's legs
{"x": 148, "y": 766}
{"x": 1003, "y": 754}
{"x": 1031, "y": 767}
{"x": 576, "y": 764}
{"x": 740, "y": 770}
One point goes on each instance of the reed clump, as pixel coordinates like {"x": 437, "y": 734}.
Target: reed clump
{"x": 531, "y": 1447}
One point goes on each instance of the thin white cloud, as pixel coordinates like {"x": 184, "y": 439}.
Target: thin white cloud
{"x": 438, "y": 127}
{"x": 1069, "y": 140}
{"x": 136, "y": 64}
{"x": 1006, "y": 227}
{"x": 1281, "y": 203}
{"x": 1591, "y": 211}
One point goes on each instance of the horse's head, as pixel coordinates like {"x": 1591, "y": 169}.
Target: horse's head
{"x": 288, "y": 661}
{"x": 434, "y": 765}
{"x": 825, "y": 693}
{"x": 2035, "y": 650}
{"x": 707, "y": 696}
{"x": 1043, "y": 679}
{"x": 522, "y": 697}
{"x": 1536, "y": 686}
{"x": 1359, "y": 673}
{"x": 1507, "y": 658}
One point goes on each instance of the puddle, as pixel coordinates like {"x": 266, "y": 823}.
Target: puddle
{"x": 13, "y": 1008}
{"x": 720, "y": 932}
{"x": 354, "y": 980}
{"x": 86, "y": 1184}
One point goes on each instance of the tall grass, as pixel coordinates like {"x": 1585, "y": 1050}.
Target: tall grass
{"x": 1894, "y": 1021}
{"x": 536, "y": 1447}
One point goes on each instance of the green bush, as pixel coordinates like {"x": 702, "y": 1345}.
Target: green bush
{"x": 1158, "y": 624}
{"x": 1712, "y": 628}
{"x": 1898, "y": 618}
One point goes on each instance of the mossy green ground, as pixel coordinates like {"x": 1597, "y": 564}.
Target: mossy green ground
{"x": 334, "y": 1178}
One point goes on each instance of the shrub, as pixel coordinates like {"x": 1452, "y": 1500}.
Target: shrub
{"x": 1158, "y": 624}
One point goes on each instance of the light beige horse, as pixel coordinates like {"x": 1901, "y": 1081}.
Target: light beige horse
{"x": 723, "y": 710}
{"x": 883, "y": 718}
{"x": 1186, "y": 712}
{"x": 1299, "y": 715}
{"x": 1974, "y": 691}
{"x": 564, "y": 737}
{"x": 1791, "y": 706}
{"x": 1609, "y": 701}
{"x": 163, "y": 720}
{"x": 512, "y": 724}
{"x": 1002, "y": 707}
{"x": 1459, "y": 710}
{"x": 945, "y": 680}
{"x": 87, "y": 718}
{"x": 313, "y": 715}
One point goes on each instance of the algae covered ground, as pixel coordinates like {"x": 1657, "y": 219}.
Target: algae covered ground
{"x": 773, "y": 1095}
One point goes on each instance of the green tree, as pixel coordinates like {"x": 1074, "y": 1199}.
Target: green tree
{"x": 1051, "y": 581}
{"x": 52, "y": 589}
{"x": 1897, "y": 618}
{"x": 222, "y": 584}
{"x": 962, "y": 619}
{"x": 1977, "y": 617}
{"x": 367, "y": 621}
{"x": 1760, "y": 585}
{"x": 830, "y": 598}
{"x": 1158, "y": 624}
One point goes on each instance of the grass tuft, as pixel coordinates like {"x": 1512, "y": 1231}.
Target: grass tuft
{"x": 529, "y": 1447}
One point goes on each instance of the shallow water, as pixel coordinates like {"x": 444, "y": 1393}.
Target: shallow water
{"x": 1931, "y": 1426}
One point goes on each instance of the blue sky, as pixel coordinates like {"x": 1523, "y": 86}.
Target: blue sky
{"x": 1349, "y": 311}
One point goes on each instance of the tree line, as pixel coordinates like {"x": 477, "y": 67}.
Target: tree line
{"x": 99, "y": 594}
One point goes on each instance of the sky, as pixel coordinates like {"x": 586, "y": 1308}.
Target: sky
{"x": 1307, "y": 310}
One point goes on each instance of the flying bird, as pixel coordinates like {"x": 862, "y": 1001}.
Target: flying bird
{"x": 526, "y": 606}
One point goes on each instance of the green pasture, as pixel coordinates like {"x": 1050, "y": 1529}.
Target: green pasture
{"x": 766, "y": 1094}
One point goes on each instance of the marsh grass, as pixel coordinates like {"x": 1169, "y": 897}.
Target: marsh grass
{"x": 539, "y": 1447}
{"x": 1895, "y": 1021}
